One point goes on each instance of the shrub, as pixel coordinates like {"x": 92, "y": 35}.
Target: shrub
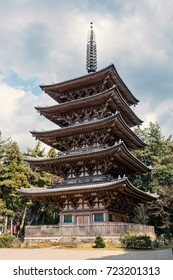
{"x": 6, "y": 240}
{"x": 99, "y": 242}
{"x": 137, "y": 241}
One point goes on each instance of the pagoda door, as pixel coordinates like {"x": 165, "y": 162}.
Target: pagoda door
{"x": 83, "y": 220}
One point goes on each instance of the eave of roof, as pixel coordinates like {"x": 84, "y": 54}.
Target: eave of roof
{"x": 115, "y": 76}
{"x": 122, "y": 185}
{"x": 116, "y": 121}
{"x": 119, "y": 151}
{"x": 115, "y": 99}
{"x": 71, "y": 105}
{"x": 91, "y": 79}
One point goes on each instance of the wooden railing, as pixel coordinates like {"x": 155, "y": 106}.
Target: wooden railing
{"x": 111, "y": 229}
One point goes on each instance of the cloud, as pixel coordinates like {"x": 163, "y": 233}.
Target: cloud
{"x": 45, "y": 41}
{"x": 18, "y": 115}
{"x": 39, "y": 38}
{"x": 162, "y": 114}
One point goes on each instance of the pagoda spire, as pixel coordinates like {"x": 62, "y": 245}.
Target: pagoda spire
{"x": 91, "y": 56}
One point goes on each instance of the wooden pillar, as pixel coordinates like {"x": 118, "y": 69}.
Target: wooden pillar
{"x": 106, "y": 217}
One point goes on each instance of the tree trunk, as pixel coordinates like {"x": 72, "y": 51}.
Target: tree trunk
{"x": 11, "y": 230}
{"x": 22, "y": 221}
{"x": 5, "y": 224}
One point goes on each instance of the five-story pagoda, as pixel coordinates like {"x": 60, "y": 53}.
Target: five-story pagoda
{"x": 94, "y": 144}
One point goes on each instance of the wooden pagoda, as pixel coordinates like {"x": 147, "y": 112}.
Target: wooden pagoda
{"x": 94, "y": 142}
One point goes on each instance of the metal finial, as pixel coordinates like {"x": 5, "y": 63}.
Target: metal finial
{"x": 91, "y": 56}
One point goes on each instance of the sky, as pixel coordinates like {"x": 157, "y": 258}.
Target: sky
{"x": 44, "y": 42}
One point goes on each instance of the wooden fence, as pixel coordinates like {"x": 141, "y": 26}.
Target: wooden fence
{"x": 84, "y": 231}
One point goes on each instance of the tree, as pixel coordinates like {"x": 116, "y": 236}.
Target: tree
{"x": 36, "y": 152}
{"x": 15, "y": 173}
{"x": 38, "y": 212}
{"x": 158, "y": 154}
{"x": 36, "y": 176}
{"x": 12, "y": 177}
{"x": 4, "y": 143}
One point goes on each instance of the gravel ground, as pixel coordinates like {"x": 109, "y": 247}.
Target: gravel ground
{"x": 71, "y": 254}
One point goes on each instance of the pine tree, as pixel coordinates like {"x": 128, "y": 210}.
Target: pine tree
{"x": 36, "y": 152}
{"x": 38, "y": 212}
{"x": 37, "y": 177}
{"x": 158, "y": 154}
{"x": 12, "y": 177}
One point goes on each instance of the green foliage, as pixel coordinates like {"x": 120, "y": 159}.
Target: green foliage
{"x": 6, "y": 241}
{"x": 37, "y": 151}
{"x": 136, "y": 241}
{"x": 12, "y": 177}
{"x": 40, "y": 213}
{"x": 158, "y": 154}
{"x": 52, "y": 153}
{"x": 36, "y": 177}
{"x": 99, "y": 242}
{"x": 158, "y": 145}
{"x": 4, "y": 144}
{"x": 14, "y": 174}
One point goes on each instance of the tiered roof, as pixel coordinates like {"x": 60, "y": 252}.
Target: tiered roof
{"x": 106, "y": 95}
